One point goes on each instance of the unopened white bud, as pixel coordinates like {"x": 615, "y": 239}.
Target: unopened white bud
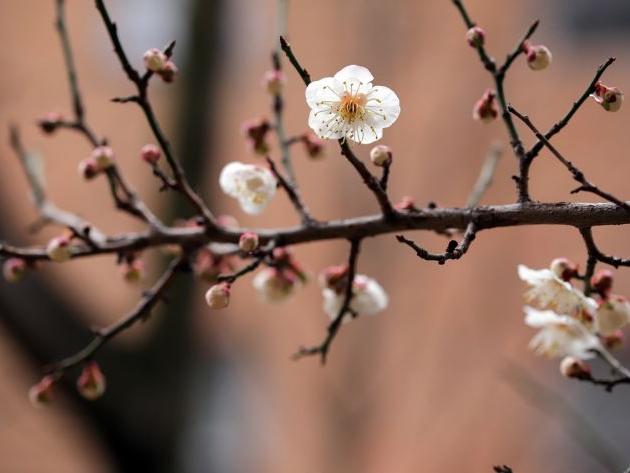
{"x": 572, "y": 367}
{"x": 154, "y": 60}
{"x": 103, "y": 156}
{"x": 538, "y": 57}
{"x": 218, "y": 296}
{"x": 381, "y": 155}
{"x": 58, "y": 249}
{"x": 248, "y": 242}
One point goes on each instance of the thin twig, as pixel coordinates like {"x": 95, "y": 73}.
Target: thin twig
{"x": 455, "y": 250}
{"x": 293, "y": 193}
{"x": 587, "y": 235}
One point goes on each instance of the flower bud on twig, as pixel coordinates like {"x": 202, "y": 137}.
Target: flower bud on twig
{"x": 41, "y": 394}
{"x": 485, "y": 108}
{"x": 13, "y": 269}
{"x": 572, "y": 367}
{"x": 610, "y": 98}
{"x": 218, "y": 296}
{"x": 475, "y": 36}
{"x": 58, "y": 249}
{"x": 154, "y": 60}
{"x": 248, "y": 242}
{"x": 150, "y": 154}
{"x": 381, "y": 155}
{"x": 91, "y": 383}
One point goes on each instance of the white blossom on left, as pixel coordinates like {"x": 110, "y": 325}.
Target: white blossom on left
{"x": 252, "y": 185}
{"x": 347, "y": 105}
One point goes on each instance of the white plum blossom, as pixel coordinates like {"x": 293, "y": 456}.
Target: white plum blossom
{"x": 369, "y": 298}
{"x": 349, "y": 106}
{"x": 548, "y": 291}
{"x": 252, "y": 185}
{"x": 275, "y": 285}
{"x": 612, "y": 314}
{"x": 560, "y": 335}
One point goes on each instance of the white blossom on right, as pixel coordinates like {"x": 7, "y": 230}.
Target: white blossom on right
{"x": 368, "y": 298}
{"x": 253, "y": 186}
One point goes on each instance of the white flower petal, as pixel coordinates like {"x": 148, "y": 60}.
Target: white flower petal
{"x": 326, "y": 124}
{"x": 324, "y": 90}
{"x": 383, "y": 106}
{"x": 355, "y": 72}
{"x": 253, "y": 186}
{"x": 364, "y": 133}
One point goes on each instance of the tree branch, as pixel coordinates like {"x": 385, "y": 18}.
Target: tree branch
{"x": 453, "y": 251}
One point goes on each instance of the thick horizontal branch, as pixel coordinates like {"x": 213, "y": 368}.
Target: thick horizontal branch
{"x": 579, "y": 215}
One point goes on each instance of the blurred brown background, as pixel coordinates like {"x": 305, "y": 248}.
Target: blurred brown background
{"x": 443, "y": 381}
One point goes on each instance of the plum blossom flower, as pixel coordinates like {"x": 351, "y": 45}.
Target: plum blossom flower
{"x": 252, "y": 185}
{"x": 275, "y": 285}
{"x": 369, "y": 297}
{"x": 560, "y": 335}
{"x": 548, "y": 291}
{"x": 613, "y": 313}
{"x": 347, "y": 105}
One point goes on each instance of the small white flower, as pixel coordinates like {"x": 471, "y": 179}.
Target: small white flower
{"x": 369, "y": 298}
{"x": 253, "y": 186}
{"x": 273, "y": 285}
{"x": 348, "y": 105}
{"x": 559, "y": 335}
{"x": 547, "y": 291}
{"x": 612, "y": 314}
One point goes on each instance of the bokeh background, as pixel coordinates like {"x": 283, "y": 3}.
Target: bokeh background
{"x": 443, "y": 381}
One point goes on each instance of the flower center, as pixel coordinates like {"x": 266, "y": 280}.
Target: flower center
{"x": 352, "y": 107}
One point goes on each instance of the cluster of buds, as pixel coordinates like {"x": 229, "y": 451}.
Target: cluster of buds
{"x": 13, "y": 269}
{"x": 59, "y": 248}
{"x": 91, "y": 385}
{"x": 150, "y": 154}
{"x": 475, "y": 37}
{"x": 538, "y": 56}
{"x": 381, "y": 155}
{"x": 278, "y": 282}
{"x": 314, "y": 146}
{"x": 485, "y": 108}
{"x": 610, "y": 98}
{"x": 273, "y": 81}
{"x": 102, "y": 157}
{"x": 50, "y": 122}
{"x": 159, "y": 63}
{"x": 255, "y": 132}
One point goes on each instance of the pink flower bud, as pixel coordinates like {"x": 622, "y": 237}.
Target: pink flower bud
{"x": 564, "y": 269}
{"x": 572, "y": 367}
{"x": 41, "y": 394}
{"x": 255, "y": 132}
{"x": 314, "y": 146}
{"x": 103, "y": 156}
{"x": 150, "y": 154}
{"x": 218, "y": 296}
{"x": 381, "y": 155}
{"x": 602, "y": 281}
{"x": 611, "y": 98}
{"x": 538, "y": 56}
{"x": 154, "y": 60}
{"x": 407, "y": 203}
{"x": 58, "y": 249}
{"x": 89, "y": 169}
{"x": 248, "y": 242}
{"x": 91, "y": 383}
{"x": 273, "y": 81}
{"x": 132, "y": 271}
{"x": 613, "y": 340}
{"x": 335, "y": 278}
{"x": 50, "y": 122}
{"x": 475, "y": 36}
{"x": 485, "y": 108}
{"x": 168, "y": 72}
{"x": 13, "y": 269}
{"x": 227, "y": 221}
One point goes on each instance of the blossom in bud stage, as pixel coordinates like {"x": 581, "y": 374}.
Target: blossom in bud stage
{"x": 91, "y": 383}
{"x": 602, "y": 281}
{"x": 154, "y": 60}
{"x": 275, "y": 285}
{"x": 58, "y": 249}
{"x": 538, "y": 56}
{"x": 41, "y": 394}
{"x": 253, "y": 186}
{"x": 548, "y": 291}
{"x": 613, "y": 313}
{"x": 475, "y": 36}
{"x": 610, "y": 98}
{"x": 132, "y": 271}
{"x": 407, "y": 203}
{"x": 168, "y": 72}
{"x": 227, "y": 221}
{"x": 564, "y": 269}
{"x": 13, "y": 269}
{"x": 560, "y": 335}
{"x": 150, "y": 154}
{"x": 368, "y": 298}
{"x": 89, "y": 168}
{"x": 273, "y": 81}
{"x": 381, "y": 155}
{"x": 207, "y": 264}
{"x": 573, "y": 367}
{"x": 50, "y": 122}
{"x": 334, "y": 277}
{"x": 255, "y": 131}
{"x": 613, "y": 340}
{"x": 248, "y": 242}
{"x": 349, "y": 106}
{"x": 485, "y": 108}
{"x": 314, "y": 146}
{"x": 218, "y": 296}
{"x": 104, "y": 156}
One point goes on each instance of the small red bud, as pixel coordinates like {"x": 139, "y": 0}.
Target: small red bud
{"x": 564, "y": 269}
{"x": 273, "y": 81}
{"x": 407, "y": 203}
{"x": 613, "y": 340}
{"x": 89, "y": 169}
{"x": 168, "y": 72}
{"x": 13, "y": 269}
{"x": 610, "y": 98}
{"x": 91, "y": 383}
{"x": 150, "y": 154}
{"x": 255, "y": 132}
{"x": 103, "y": 156}
{"x": 572, "y": 367}
{"x": 50, "y": 122}
{"x": 602, "y": 281}
{"x": 538, "y": 56}
{"x": 314, "y": 146}
{"x": 248, "y": 242}
{"x": 485, "y": 108}
{"x": 132, "y": 271}
{"x": 41, "y": 394}
{"x": 475, "y": 37}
